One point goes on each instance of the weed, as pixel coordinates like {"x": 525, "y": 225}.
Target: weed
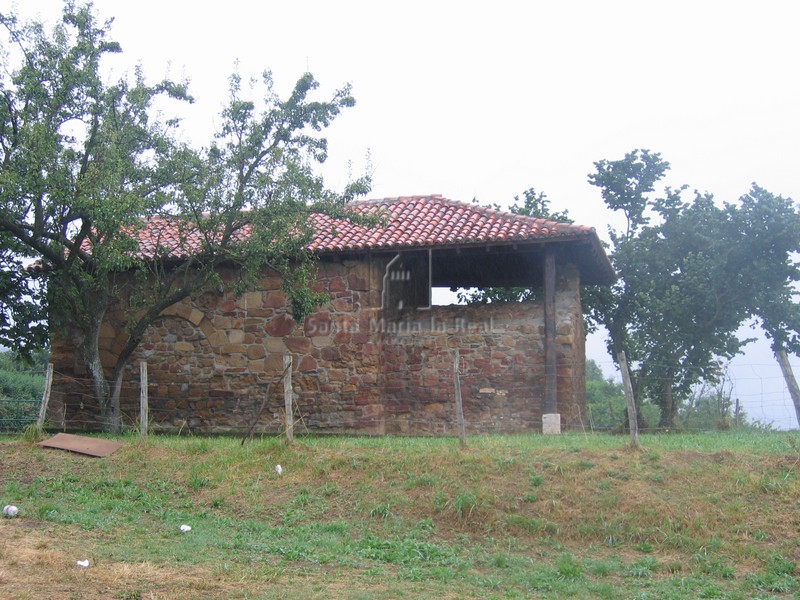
{"x": 33, "y": 433}
{"x": 779, "y": 565}
{"x": 201, "y": 446}
{"x": 771, "y": 582}
{"x": 645, "y": 547}
{"x": 603, "y": 568}
{"x": 568, "y": 568}
{"x": 198, "y": 482}
{"x": 644, "y": 567}
{"x": 424, "y": 480}
{"x": 329, "y": 489}
{"x": 464, "y": 504}
{"x": 500, "y": 560}
{"x": 528, "y": 524}
{"x": 534, "y": 479}
{"x": 381, "y": 511}
{"x": 604, "y": 591}
{"x": 425, "y": 526}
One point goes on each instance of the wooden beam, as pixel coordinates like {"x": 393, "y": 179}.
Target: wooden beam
{"x": 550, "y": 359}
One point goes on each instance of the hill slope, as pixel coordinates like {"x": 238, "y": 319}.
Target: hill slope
{"x": 519, "y": 516}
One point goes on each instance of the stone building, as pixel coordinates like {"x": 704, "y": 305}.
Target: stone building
{"x": 379, "y": 357}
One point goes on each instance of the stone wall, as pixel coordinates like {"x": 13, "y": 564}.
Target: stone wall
{"x": 215, "y": 364}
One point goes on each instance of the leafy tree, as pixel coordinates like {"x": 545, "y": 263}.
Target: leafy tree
{"x": 86, "y": 165}
{"x": 711, "y": 407}
{"x": 533, "y": 204}
{"x": 21, "y": 381}
{"x": 606, "y": 404}
{"x": 605, "y": 399}
{"x": 23, "y": 321}
{"x": 775, "y": 306}
{"x": 691, "y": 272}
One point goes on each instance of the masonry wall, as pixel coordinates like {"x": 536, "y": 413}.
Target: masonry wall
{"x": 214, "y": 365}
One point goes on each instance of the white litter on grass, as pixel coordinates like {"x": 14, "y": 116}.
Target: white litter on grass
{"x": 279, "y": 469}
{"x": 186, "y": 528}
{"x": 83, "y": 563}
{"x": 10, "y": 510}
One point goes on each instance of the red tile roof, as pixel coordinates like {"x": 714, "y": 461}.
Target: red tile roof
{"x": 431, "y": 222}
{"x": 411, "y": 222}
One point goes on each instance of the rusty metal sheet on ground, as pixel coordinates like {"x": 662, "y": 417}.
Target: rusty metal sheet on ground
{"x": 81, "y": 444}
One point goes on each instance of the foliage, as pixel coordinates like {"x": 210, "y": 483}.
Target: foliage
{"x": 605, "y": 399}
{"x": 533, "y": 204}
{"x": 691, "y": 272}
{"x": 21, "y": 387}
{"x": 22, "y": 314}
{"x": 712, "y": 406}
{"x": 20, "y": 380}
{"x": 87, "y": 164}
{"x": 606, "y": 404}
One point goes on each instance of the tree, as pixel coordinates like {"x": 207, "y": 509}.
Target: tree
{"x": 691, "y": 272}
{"x": 605, "y": 402}
{"x": 87, "y": 165}
{"x": 711, "y": 407}
{"x": 775, "y": 304}
{"x": 533, "y": 204}
{"x": 23, "y": 320}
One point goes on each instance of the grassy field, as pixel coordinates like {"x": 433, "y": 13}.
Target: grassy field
{"x": 571, "y": 516}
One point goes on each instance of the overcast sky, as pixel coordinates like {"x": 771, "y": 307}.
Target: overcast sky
{"x": 484, "y": 100}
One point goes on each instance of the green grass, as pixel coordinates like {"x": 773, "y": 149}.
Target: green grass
{"x": 703, "y": 516}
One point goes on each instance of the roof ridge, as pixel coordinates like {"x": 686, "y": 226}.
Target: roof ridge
{"x": 473, "y": 206}
{"x": 393, "y": 199}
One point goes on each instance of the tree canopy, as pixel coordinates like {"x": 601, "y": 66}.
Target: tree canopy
{"x": 86, "y": 164}
{"x": 691, "y": 273}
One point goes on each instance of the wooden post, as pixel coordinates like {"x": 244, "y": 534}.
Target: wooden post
{"x": 633, "y": 423}
{"x": 551, "y": 419}
{"x": 550, "y": 364}
{"x": 48, "y": 382}
{"x": 144, "y": 404}
{"x": 462, "y": 436}
{"x": 791, "y": 382}
{"x": 287, "y": 397}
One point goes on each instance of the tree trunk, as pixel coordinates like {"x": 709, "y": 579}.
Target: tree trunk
{"x": 667, "y": 404}
{"x": 100, "y": 384}
{"x": 106, "y": 396}
{"x": 791, "y": 382}
{"x": 633, "y": 423}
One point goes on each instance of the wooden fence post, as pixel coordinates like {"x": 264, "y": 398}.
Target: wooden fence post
{"x": 791, "y": 382}
{"x": 287, "y": 397}
{"x": 462, "y": 436}
{"x": 143, "y": 399}
{"x": 633, "y": 422}
{"x": 48, "y": 382}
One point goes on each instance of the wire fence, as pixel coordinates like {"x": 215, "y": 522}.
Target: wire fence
{"x": 758, "y": 389}
{"x": 16, "y": 414}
